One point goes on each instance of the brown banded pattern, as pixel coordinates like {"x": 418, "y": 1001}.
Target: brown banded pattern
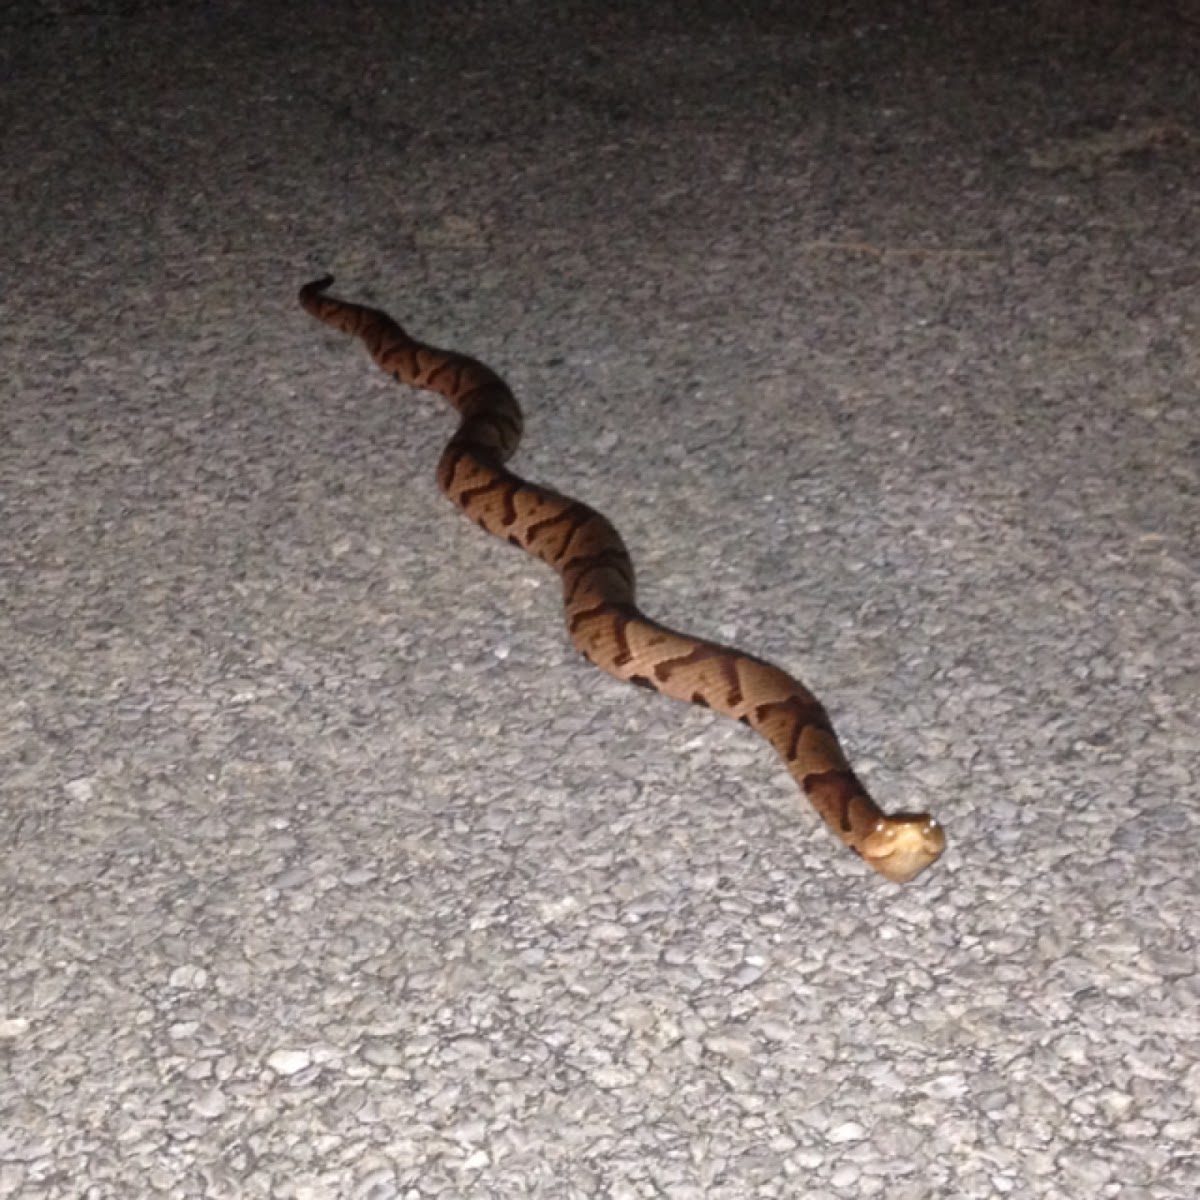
{"x": 603, "y": 621}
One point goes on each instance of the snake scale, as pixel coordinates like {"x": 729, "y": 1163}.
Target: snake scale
{"x": 602, "y": 616}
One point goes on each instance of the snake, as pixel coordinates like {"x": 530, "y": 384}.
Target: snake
{"x": 603, "y": 620}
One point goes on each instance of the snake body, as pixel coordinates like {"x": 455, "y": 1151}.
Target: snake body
{"x": 602, "y": 616}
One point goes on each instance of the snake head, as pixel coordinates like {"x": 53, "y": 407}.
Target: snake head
{"x": 901, "y": 846}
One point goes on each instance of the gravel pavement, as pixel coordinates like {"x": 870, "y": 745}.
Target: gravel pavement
{"x": 328, "y": 870}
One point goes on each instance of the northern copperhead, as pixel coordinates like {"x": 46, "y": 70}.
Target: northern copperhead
{"x": 603, "y": 619}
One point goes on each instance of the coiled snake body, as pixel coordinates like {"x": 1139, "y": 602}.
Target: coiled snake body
{"x": 603, "y": 619}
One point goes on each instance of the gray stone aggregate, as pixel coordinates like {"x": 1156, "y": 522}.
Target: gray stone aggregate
{"x": 329, "y": 870}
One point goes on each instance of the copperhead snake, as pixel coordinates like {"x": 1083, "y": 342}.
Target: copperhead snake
{"x": 603, "y": 619}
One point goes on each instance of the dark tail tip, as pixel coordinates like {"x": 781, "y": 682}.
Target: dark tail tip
{"x": 310, "y": 291}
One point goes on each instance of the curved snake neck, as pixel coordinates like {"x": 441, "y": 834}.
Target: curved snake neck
{"x": 603, "y": 619}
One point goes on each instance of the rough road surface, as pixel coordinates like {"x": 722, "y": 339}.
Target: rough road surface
{"x": 328, "y": 870}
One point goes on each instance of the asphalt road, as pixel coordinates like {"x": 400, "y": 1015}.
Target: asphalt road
{"x": 327, "y": 869}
